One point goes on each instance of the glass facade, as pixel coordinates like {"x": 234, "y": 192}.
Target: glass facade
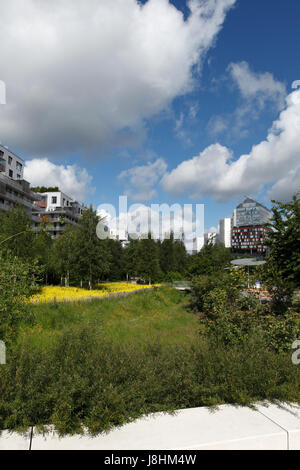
{"x": 251, "y": 213}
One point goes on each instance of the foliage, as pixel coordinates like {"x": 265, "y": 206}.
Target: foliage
{"x": 44, "y": 189}
{"x": 86, "y": 255}
{"x": 147, "y": 264}
{"x": 74, "y": 373}
{"x": 211, "y": 259}
{"x": 15, "y": 232}
{"x": 284, "y": 240}
{"x": 172, "y": 255}
{"x": 17, "y": 284}
{"x": 173, "y": 276}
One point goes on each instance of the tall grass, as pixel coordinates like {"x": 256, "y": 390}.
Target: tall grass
{"x": 88, "y": 366}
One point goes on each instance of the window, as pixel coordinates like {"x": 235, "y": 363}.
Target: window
{"x": 11, "y": 174}
{"x": 19, "y": 166}
{"x": 9, "y": 160}
{"x": 54, "y": 199}
{"x": 19, "y": 177}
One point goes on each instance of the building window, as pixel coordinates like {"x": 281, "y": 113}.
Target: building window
{"x": 54, "y": 199}
{"x": 9, "y": 160}
{"x": 11, "y": 174}
{"x": 19, "y": 177}
{"x": 19, "y": 166}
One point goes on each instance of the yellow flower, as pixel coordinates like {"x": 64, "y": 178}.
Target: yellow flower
{"x": 64, "y": 294}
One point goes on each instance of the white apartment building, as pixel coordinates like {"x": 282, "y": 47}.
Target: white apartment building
{"x": 225, "y": 232}
{"x": 57, "y": 210}
{"x": 13, "y": 188}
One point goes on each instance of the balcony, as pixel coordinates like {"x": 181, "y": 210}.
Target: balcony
{"x": 42, "y": 204}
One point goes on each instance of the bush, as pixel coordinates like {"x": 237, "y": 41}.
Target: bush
{"x": 17, "y": 284}
{"x": 81, "y": 379}
{"x": 173, "y": 276}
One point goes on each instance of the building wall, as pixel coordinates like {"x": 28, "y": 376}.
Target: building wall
{"x": 248, "y": 227}
{"x": 11, "y": 165}
{"x": 251, "y": 212}
{"x": 250, "y": 239}
{"x": 58, "y": 210}
{"x": 225, "y": 232}
{"x": 13, "y": 188}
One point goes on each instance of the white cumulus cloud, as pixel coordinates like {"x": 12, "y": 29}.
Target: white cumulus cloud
{"x": 84, "y": 74}
{"x": 72, "y": 180}
{"x": 141, "y": 180}
{"x": 274, "y": 161}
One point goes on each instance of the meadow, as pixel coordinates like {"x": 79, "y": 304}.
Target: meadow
{"x": 140, "y": 317}
{"x": 99, "y": 364}
{"x": 51, "y": 294}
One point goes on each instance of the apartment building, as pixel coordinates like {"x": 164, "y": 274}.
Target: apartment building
{"x": 13, "y": 188}
{"x": 57, "y": 210}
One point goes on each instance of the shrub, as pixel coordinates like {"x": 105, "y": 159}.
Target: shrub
{"x": 17, "y": 284}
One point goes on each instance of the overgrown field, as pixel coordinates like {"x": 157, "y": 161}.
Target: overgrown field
{"x": 69, "y": 294}
{"x": 104, "y": 363}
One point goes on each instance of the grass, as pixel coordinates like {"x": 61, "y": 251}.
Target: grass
{"x": 105, "y": 363}
{"x": 140, "y": 317}
{"x": 49, "y": 294}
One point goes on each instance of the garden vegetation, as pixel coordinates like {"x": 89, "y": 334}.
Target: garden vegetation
{"x": 104, "y": 363}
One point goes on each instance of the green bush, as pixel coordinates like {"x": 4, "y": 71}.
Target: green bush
{"x": 81, "y": 379}
{"x": 17, "y": 284}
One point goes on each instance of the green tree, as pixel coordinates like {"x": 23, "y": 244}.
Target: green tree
{"x": 92, "y": 259}
{"x": 148, "y": 260}
{"x": 211, "y": 259}
{"x": 17, "y": 284}
{"x": 284, "y": 240}
{"x": 64, "y": 255}
{"x": 42, "y": 251}
{"x": 15, "y": 232}
{"x": 167, "y": 254}
{"x": 130, "y": 258}
{"x": 117, "y": 268}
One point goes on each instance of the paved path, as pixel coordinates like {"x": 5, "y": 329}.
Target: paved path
{"x": 276, "y": 427}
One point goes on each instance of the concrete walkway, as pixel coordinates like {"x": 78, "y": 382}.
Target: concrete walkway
{"x": 276, "y": 427}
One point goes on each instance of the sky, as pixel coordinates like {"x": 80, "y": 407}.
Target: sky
{"x": 162, "y": 101}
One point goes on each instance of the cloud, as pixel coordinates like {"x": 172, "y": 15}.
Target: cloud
{"x": 74, "y": 181}
{"x": 217, "y": 125}
{"x": 142, "y": 179}
{"x": 82, "y": 75}
{"x": 257, "y": 91}
{"x": 273, "y": 161}
{"x": 261, "y": 87}
{"x": 286, "y": 186}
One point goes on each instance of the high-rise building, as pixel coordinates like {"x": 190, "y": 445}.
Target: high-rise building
{"x": 249, "y": 232}
{"x": 13, "y": 188}
{"x": 56, "y": 210}
{"x": 225, "y": 232}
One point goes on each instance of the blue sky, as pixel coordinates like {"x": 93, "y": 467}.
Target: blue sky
{"x": 149, "y": 100}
